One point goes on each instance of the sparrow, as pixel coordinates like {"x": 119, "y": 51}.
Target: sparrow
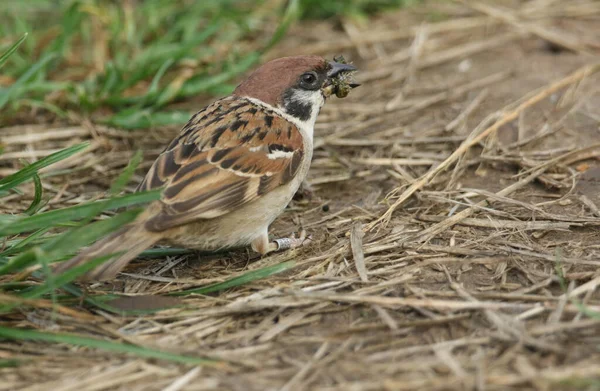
{"x": 231, "y": 170}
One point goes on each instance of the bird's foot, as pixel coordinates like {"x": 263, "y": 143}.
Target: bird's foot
{"x": 292, "y": 241}
{"x": 262, "y": 245}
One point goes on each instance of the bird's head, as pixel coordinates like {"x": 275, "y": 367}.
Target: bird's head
{"x": 297, "y": 85}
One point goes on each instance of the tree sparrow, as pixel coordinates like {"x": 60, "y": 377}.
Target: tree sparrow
{"x": 233, "y": 168}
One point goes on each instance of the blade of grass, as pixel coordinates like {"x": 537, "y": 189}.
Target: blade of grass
{"x": 14, "y": 89}
{"x": 68, "y": 243}
{"x": 119, "y": 184}
{"x": 37, "y": 197}
{"x": 240, "y": 280}
{"x": 139, "y": 119}
{"x": 558, "y": 267}
{"x": 15, "y": 246}
{"x": 10, "y": 363}
{"x": 291, "y": 14}
{"x": 52, "y": 282}
{"x": 77, "y": 212}
{"x": 195, "y": 86}
{"x": 4, "y": 57}
{"x": 110, "y": 346}
{"x": 28, "y": 172}
{"x": 153, "y": 90}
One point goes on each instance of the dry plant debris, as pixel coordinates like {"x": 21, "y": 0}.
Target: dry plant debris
{"x": 454, "y": 205}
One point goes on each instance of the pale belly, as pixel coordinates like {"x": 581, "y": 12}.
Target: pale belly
{"x": 236, "y": 229}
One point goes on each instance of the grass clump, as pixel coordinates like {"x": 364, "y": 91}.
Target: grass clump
{"x": 122, "y": 63}
{"x": 317, "y": 9}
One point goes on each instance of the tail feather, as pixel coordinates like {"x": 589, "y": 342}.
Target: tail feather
{"x": 125, "y": 243}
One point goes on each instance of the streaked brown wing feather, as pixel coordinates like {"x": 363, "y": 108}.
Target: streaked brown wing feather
{"x": 223, "y": 159}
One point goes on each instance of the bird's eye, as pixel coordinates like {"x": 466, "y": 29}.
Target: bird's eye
{"x": 309, "y": 81}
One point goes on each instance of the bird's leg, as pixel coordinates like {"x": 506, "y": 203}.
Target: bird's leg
{"x": 263, "y": 246}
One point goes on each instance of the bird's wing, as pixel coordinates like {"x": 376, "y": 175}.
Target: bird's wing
{"x": 227, "y": 155}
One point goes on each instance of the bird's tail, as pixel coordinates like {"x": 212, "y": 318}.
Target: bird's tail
{"x": 125, "y": 243}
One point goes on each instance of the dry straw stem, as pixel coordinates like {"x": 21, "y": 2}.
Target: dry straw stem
{"x": 533, "y": 28}
{"x": 441, "y": 305}
{"x": 506, "y": 224}
{"x": 554, "y": 375}
{"x": 575, "y": 77}
{"x": 455, "y": 24}
{"x": 357, "y": 250}
{"x": 430, "y": 232}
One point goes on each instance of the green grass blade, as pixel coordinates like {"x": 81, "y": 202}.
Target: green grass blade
{"x": 110, "y": 346}
{"x": 67, "y": 243}
{"x": 28, "y": 172}
{"x": 119, "y": 184}
{"x": 9, "y": 363}
{"x": 197, "y": 85}
{"x": 74, "y": 213}
{"x": 19, "y": 262}
{"x": 139, "y": 119}
{"x": 37, "y": 197}
{"x": 154, "y": 85}
{"x": 4, "y": 57}
{"x": 35, "y": 68}
{"x": 291, "y": 14}
{"x": 51, "y": 282}
{"x": 240, "y": 280}
{"x": 14, "y": 246}
{"x": 35, "y": 103}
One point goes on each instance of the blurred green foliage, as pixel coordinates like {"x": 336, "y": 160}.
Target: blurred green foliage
{"x": 131, "y": 58}
{"x": 123, "y": 62}
{"x": 321, "y": 9}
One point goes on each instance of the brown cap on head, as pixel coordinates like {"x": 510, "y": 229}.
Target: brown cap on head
{"x": 271, "y": 80}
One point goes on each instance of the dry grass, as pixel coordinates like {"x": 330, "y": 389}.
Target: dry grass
{"x": 454, "y": 209}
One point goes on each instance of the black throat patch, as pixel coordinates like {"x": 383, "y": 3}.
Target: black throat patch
{"x": 295, "y": 107}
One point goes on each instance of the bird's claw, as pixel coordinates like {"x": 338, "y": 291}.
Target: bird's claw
{"x": 293, "y": 242}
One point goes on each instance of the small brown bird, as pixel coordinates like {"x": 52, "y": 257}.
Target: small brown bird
{"x": 233, "y": 168}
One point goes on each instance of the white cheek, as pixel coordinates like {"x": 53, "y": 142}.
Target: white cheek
{"x": 316, "y": 101}
{"x": 313, "y": 98}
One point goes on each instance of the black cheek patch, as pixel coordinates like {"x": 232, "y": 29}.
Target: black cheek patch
{"x": 302, "y": 111}
{"x": 296, "y": 108}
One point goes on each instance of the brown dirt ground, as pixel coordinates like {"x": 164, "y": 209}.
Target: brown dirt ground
{"x": 473, "y": 304}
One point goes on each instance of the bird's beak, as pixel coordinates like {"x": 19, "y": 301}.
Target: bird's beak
{"x": 337, "y": 68}
{"x": 336, "y": 71}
